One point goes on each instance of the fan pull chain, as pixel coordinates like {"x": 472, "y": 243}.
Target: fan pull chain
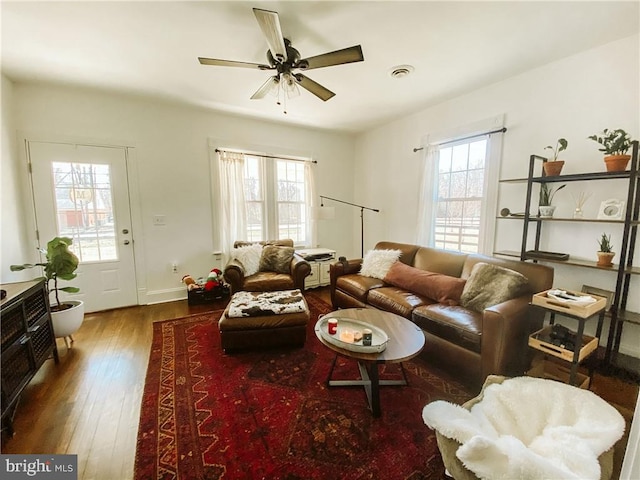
{"x": 281, "y": 93}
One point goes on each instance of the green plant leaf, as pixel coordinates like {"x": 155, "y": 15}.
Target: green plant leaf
{"x": 70, "y": 289}
{"x": 563, "y": 144}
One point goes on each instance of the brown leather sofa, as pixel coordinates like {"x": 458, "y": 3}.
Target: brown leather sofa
{"x": 469, "y": 344}
{"x": 267, "y": 281}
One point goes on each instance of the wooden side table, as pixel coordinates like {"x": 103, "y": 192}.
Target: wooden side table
{"x": 581, "y": 349}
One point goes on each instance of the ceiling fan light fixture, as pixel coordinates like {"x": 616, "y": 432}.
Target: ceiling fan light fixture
{"x": 275, "y": 84}
{"x": 401, "y": 71}
{"x": 290, "y": 85}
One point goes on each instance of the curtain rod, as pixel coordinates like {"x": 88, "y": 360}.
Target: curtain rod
{"x": 501, "y": 130}
{"x": 266, "y": 156}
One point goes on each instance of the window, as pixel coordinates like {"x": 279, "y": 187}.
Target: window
{"x": 276, "y": 192}
{"x": 460, "y": 192}
{"x": 84, "y": 206}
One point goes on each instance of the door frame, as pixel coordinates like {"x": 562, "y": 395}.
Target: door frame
{"x": 24, "y": 137}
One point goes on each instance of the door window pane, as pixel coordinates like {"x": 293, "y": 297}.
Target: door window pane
{"x": 84, "y": 209}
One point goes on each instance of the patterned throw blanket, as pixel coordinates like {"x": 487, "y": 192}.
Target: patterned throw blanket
{"x": 254, "y": 304}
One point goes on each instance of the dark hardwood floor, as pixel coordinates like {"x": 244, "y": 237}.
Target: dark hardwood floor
{"x": 89, "y": 404}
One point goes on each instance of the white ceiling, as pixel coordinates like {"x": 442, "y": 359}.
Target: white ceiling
{"x": 151, "y": 48}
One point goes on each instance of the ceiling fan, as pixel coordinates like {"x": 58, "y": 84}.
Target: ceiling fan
{"x": 284, "y": 59}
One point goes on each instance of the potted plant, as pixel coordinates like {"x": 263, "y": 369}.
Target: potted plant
{"x": 547, "y": 192}
{"x": 615, "y": 145}
{"x": 61, "y": 264}
{"x": 605, "y": 253}
{"x": 553, "y": 166}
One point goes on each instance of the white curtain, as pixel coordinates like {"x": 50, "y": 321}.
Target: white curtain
{"x": 232, "y": 209}
{"x": 428, "y": 197}
{"x": 310, "y": 200}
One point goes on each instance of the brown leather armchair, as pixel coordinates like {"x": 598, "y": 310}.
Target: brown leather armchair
{"x": 267, "y": 281}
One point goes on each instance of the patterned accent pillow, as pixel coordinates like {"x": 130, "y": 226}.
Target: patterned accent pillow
{"x": 376, "y": 263}
{"x": 276, "y": 259}
{"x": 249, "y": 257}
{"x": 490, "y": 285}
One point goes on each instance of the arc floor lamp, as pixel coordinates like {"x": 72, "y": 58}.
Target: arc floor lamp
{"x": 362, "y": 209}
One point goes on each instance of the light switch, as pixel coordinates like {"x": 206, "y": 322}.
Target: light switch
{"x": 159, "y": 220}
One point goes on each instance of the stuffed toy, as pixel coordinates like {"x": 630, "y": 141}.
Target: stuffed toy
{"x": 213, "y": 280}
{"x": 190, "y": 282}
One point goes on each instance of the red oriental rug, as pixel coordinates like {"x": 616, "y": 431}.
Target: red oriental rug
{"x": 270, "y": 415}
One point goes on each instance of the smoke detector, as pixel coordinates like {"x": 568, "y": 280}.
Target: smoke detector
{"x": 401, "y": 71}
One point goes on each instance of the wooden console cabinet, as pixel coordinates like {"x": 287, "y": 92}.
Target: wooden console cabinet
{"x": 27, "y": 340}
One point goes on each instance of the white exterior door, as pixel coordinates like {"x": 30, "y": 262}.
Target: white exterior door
{"x": 82, "y": 192}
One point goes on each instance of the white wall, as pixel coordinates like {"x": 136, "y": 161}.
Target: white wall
{"x": 15, "y": 245}
{"x": 572, "y": 98}
{"x": 172, "y": 164}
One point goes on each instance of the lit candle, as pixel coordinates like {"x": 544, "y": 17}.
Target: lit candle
{"x": 346, "y": 336}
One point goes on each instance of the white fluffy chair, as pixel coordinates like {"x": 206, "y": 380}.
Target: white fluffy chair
{"x": 527, "y": 428}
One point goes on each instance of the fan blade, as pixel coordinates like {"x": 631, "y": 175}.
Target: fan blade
{"x": 272, "y": 82}
{"x": 231, "y": 63}
{"x": 314, "y": 87}
{"x": 339, "y": 57}
{"x": 270, "y": 25}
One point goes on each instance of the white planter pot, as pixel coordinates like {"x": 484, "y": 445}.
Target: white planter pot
{"x": 66, "y": 322}
{"x": 546, "y": 211}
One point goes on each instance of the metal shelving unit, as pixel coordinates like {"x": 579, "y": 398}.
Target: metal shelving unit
{"x": 624, "y": 269}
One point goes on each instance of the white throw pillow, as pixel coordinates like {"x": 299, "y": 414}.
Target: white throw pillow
{"x": 249, "y": 257}
{"x": 376, "y": 263}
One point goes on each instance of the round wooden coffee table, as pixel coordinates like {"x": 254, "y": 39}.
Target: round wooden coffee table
{"x": 406, "y": 340}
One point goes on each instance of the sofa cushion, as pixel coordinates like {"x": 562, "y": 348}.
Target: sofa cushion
{"x": 249, "y": 257}
{"x": 276, "y": 259}
{"x": 490, "y": 285}
{"x": 268, "y": 281}
{"x": 455, "y": 324}
{"x": 436, "y": 286}
{"x": 376, "y": 263}
{"x": 440, "y": 261}
{"x": 357, "y": 285}
{"x": 396, "y": 300}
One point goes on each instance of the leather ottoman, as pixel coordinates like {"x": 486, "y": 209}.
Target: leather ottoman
{"x": 264, "y": 320}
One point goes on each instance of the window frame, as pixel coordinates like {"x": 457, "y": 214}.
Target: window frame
{"x": 449, "y": 200}
{"x": 492, "y": 130}
{"x": 270, "y": 201}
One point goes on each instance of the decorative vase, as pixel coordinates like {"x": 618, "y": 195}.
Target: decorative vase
{"x": 552, "y": 169}
{"x": 578, "y": 213}
{"x": 546, "y": 211}
{"x": 66, "y": 322}
{"x": 617, "y": 163}
{"x": 605, "y": 259}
